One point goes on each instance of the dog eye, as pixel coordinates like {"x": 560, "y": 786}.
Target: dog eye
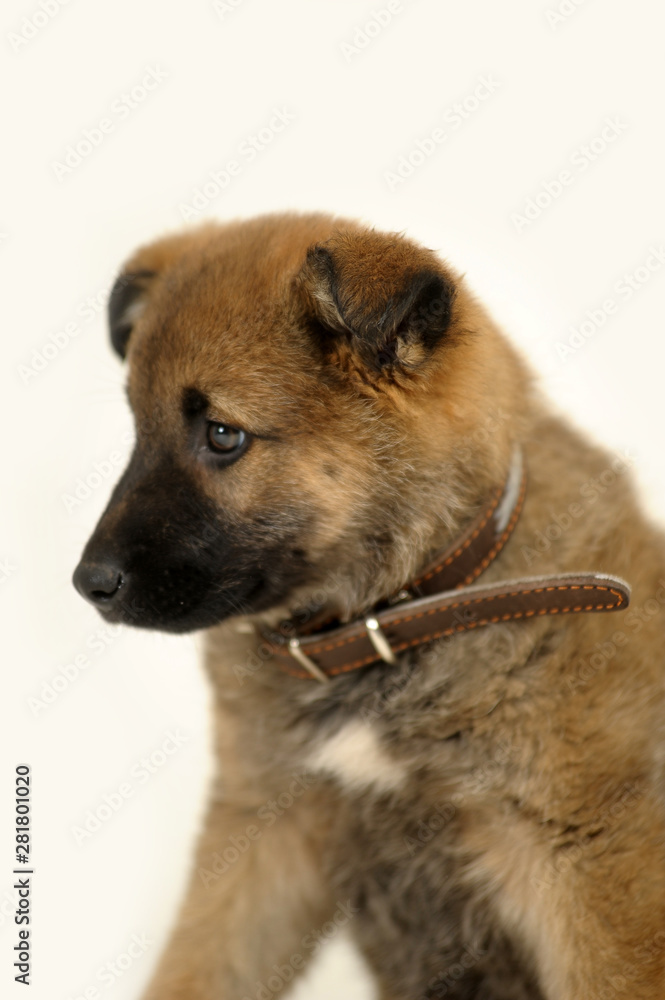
{"x": 225, "y": 439}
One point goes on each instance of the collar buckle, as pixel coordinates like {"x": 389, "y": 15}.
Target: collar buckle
{"x": 401, "y": 596}
{"x": 380, "y": 641}
{"x": 305, "y": 661}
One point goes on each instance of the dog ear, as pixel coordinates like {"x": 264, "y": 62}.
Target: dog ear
{"x": 126, "y": 303}
{"x": 388, "y": 298}
{"x": 142, "y": 273}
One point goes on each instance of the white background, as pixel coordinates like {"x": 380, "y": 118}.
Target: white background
{"x": 356, "y": 112}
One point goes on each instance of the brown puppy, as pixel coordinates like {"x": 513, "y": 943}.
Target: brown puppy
{"x": 320, "y": 409}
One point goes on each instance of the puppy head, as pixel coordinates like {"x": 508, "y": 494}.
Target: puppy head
{"x": 300, "y": 388}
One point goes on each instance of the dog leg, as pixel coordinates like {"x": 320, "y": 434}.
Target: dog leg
{"x": 252, "y": 920}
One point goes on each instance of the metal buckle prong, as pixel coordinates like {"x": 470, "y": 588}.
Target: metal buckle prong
{"x": 378, "y": 639}
{"x": 304, "y": 661}
{"x": 399, "y": 597}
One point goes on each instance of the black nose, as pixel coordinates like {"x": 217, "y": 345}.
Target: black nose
{"x": 98, "y": 582}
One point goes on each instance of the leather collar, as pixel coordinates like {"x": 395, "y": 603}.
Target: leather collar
{"x": 442, "y": 600}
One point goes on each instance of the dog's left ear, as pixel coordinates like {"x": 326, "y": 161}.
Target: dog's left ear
{"x": 388, "y": 298}
{"x": 126, "y": 303}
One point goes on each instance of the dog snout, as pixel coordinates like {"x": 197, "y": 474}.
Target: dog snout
{"x": 99, "y": 582}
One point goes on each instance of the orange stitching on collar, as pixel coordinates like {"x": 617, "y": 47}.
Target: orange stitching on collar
{"x": 510, "y": 616}
{"x": 493, "y": 553}
{"x": 446, "y": 562}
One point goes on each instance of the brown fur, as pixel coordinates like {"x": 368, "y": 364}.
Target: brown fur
{"x": 532, "y": 752}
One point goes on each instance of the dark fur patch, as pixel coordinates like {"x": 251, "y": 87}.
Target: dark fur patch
{"x": 416, "y": 309}
{"x": 127, "y": 289}
{"x": 194, "y": 402}
{"x": 185, "y": 566}
{"x": 439, "y": 937}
